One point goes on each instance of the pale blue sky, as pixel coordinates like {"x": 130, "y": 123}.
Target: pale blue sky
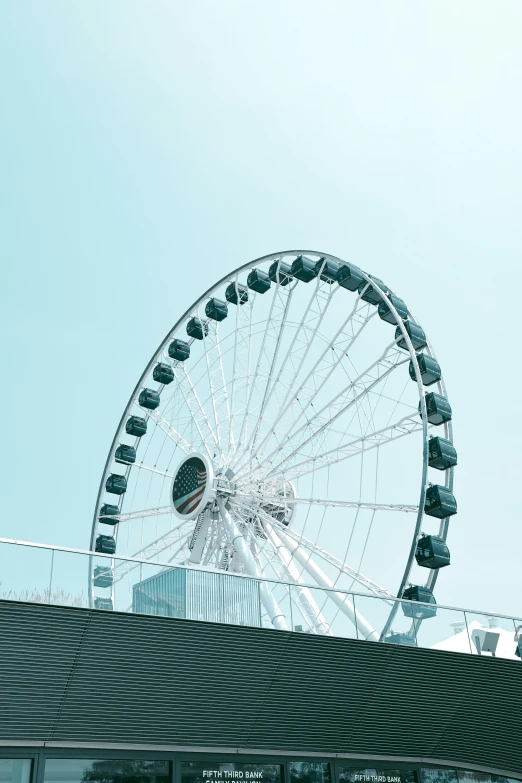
{"x": 149, "y": 147}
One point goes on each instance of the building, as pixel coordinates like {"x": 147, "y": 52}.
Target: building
{"x": 114, "y": 697}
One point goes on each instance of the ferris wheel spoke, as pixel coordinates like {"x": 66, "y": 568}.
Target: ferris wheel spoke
{"x": 150, "y": 512}
{"x": 241, "y": 361}
{"x": 171, "y": 432}
{"x": 322, "y": 422}
{"x": 317, "y": 574}
{"x": 296, "y": 403}
{"x": 353, "y": 448}
{"x": 150, "y": 551}
{"x": 141, "y": 466}
{"x": 216, "y": 380}
{"x": 274, "y": 525}
{"x": 196, "y": 410}
{"x": 272, "y": 335}
{"x": 291, "y": 364}
{"x": 281, "y": 501}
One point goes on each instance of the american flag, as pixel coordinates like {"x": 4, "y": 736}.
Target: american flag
{"x": 189, "y": 485}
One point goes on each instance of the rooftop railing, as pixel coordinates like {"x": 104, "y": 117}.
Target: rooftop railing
{"x": 59, "y": 576}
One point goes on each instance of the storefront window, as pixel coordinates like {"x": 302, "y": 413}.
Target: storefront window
{"x": 439, "y": 776}
{"x": 15, "y": 770}
{"x": 106, "y": 771}
{"x": 363, "y": 775}
{"x": 226, "y": 772}
{"x": 309, "y": 772}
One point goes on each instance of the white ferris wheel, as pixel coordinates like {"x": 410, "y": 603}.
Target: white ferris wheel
{"x": 293, "y": 426}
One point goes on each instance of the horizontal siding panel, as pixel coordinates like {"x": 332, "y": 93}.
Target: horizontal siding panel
{"x": 76, "y": 675}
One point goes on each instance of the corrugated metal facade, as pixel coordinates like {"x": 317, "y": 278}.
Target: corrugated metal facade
{"x": 77, "y": 675}
{"x": 199, "y": 595}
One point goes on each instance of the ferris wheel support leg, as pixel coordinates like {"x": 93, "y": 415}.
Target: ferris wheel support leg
{"x": 345, "y": 605}
{"x": 201, "y": 539}
{"x": 317, "y": 618}
{"x": 245, "y": 555}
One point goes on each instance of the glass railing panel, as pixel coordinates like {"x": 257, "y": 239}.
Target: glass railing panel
{"x": 492, "y": 636}
{"x": 69, "y": 579}
{"x": 275, "y": 605}
{"x": 445, "y": 630}
{"x": 25, "y": 573}
{"x": 371, "y": 615}
{"x": 324, "y": 612}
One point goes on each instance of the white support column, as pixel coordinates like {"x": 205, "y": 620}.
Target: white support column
{"x": 313, "y": 613}
{"x": 200, "y": 539}
{"x": 238, "y": 540}
{"x": 341, "y": 599}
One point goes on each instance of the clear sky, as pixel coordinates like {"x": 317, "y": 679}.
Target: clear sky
{"x": 149, "y": 147}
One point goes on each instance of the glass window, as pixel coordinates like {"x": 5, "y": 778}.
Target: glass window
{"x": 309, "y": 772}
{"x": 439, "y": 776}
{"x": 106, "y": 771}
{"x": 359, "y": 775}
{"x": 15, "y": 770}
{"x": 468, "y": 776}
{"x": 227, "y": 771}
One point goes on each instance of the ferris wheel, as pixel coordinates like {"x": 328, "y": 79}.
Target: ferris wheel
{"x": 293, "y": 426}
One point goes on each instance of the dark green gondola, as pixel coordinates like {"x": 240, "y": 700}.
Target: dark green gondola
{"x": 103, "y": 576}
{"x": 282, "y": 270}
{"x": 109, "y": 510}
{"x": 163, "y": 373}
{"x": 103, "y": 603}
{"x": 116, "y": 484}
{"x": 432, "y": 552}
{"x": 427, "y": 607}
{"x": 303, "y": 269}
{"x": 371, "y": 295}
{"x": 438, "y": 409}
{"x": 179, "y": 350}
{"x": 330, "y": 270}
{"x": 429, "y": 369}
{"x": 258, "y": 281}
{"x": 149, "y": 399}
{"x": 349, "y": 277}
{"x": 442, "y": 454}
{"x": 235, "y": 293}
{"x": 440, "y": 502}
{"x": 415, "y": 333}
{"x": 405, "y": 639}
{"x": 197, "y": 329}
{"x": 136, "y": 426}
{"x": 125, "y": 454}
{"x": 106, "y": 545}
{"x": 385, "y": 312}
{"x": 216, "y": 309}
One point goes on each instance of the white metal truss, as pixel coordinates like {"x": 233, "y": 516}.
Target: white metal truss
{"x": 288, "y": 370}
{"x": 172, "y": 432}
{"x": 298, "y": 403}
{"x": 364, "y": 581}
{"x": 218, "y": 388}
{"x": 208, "y": 437}
{"x": 259, "y": 391}
{"x": 323, "y": 419}
{"x": 354, "y": 447}
{"x": 241, "y": 368}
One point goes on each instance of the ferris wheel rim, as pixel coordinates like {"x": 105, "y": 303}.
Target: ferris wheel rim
{"x": 194, "y": 308}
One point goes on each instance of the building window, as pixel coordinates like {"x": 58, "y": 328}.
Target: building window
{"x": 309, "y": 772}
{"x": 15, "y": 770}
{"x": 229, "y": 772}
{"x": 439, "y": 776}
{"x": 106, "y": 771}
{"x": 365, "y": 775}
